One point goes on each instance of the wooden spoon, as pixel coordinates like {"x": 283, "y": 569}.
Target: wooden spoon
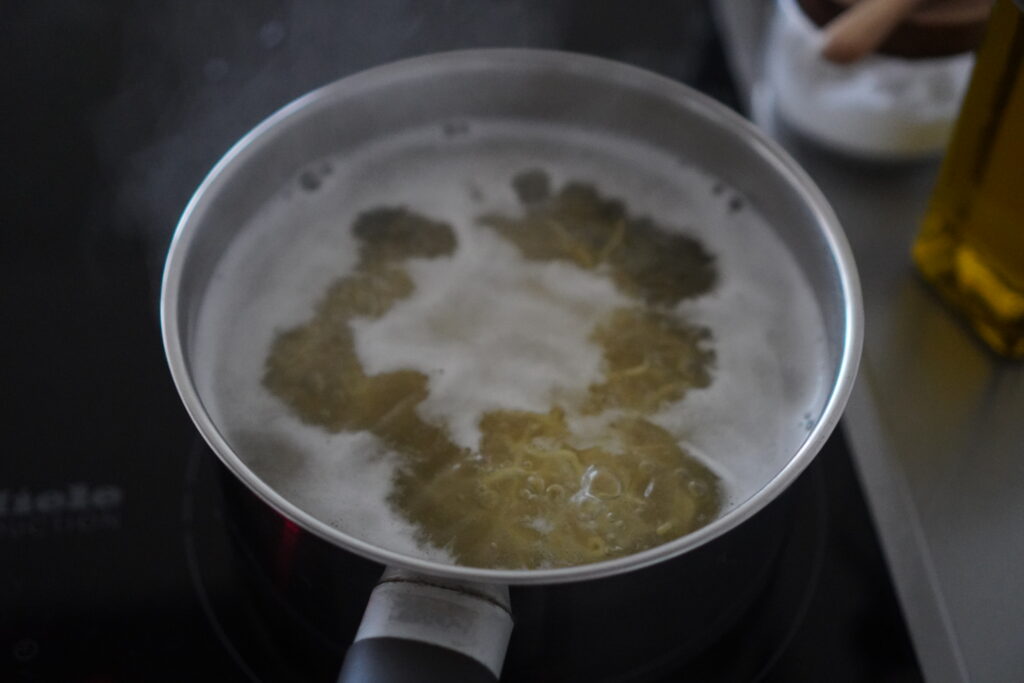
{"x": 859, "y": 30}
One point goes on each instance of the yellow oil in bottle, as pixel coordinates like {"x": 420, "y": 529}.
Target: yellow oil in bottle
{"x": 971, "y": 243}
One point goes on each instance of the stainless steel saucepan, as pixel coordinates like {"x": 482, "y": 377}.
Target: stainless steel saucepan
{"x": 451, "y": 620}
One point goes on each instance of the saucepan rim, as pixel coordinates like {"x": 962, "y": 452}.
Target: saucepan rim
{"x": 716, "y": 113}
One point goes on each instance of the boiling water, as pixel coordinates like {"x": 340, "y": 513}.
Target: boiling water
{"x": 497, "y": 334}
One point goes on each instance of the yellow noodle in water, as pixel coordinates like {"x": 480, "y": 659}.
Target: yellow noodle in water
{"x": 535, "y": 493}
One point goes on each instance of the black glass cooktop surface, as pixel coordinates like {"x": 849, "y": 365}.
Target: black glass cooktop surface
{"x": 128, "y": 553}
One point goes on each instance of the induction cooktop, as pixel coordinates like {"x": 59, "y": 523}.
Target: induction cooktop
{"x": 128, "y": 553}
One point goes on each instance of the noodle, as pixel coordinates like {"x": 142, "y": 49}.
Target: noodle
{"x": 536, "y": 491}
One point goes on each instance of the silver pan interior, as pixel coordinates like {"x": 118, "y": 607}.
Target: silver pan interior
{"x": 456, "y": 90}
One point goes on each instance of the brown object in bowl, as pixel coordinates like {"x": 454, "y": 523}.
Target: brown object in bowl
{"x": 939, "y": 28}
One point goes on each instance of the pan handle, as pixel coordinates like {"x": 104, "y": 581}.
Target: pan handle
{"x": 418, "y": 628}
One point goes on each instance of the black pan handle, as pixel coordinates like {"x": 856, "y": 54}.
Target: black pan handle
{"x": 417, "y": 629}
{"x": 395, "y": 660}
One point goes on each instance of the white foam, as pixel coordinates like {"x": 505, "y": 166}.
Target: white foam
{"x": 531, "y": 319}
{"x": 492, "y": 332}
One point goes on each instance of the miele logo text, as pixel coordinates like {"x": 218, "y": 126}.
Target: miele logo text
{"x": 74, "y": 508}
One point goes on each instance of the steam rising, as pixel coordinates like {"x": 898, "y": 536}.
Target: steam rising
{"x": 196, "y": 77}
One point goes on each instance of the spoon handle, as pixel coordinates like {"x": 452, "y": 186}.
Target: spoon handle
{"x": 859, "y": 30}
